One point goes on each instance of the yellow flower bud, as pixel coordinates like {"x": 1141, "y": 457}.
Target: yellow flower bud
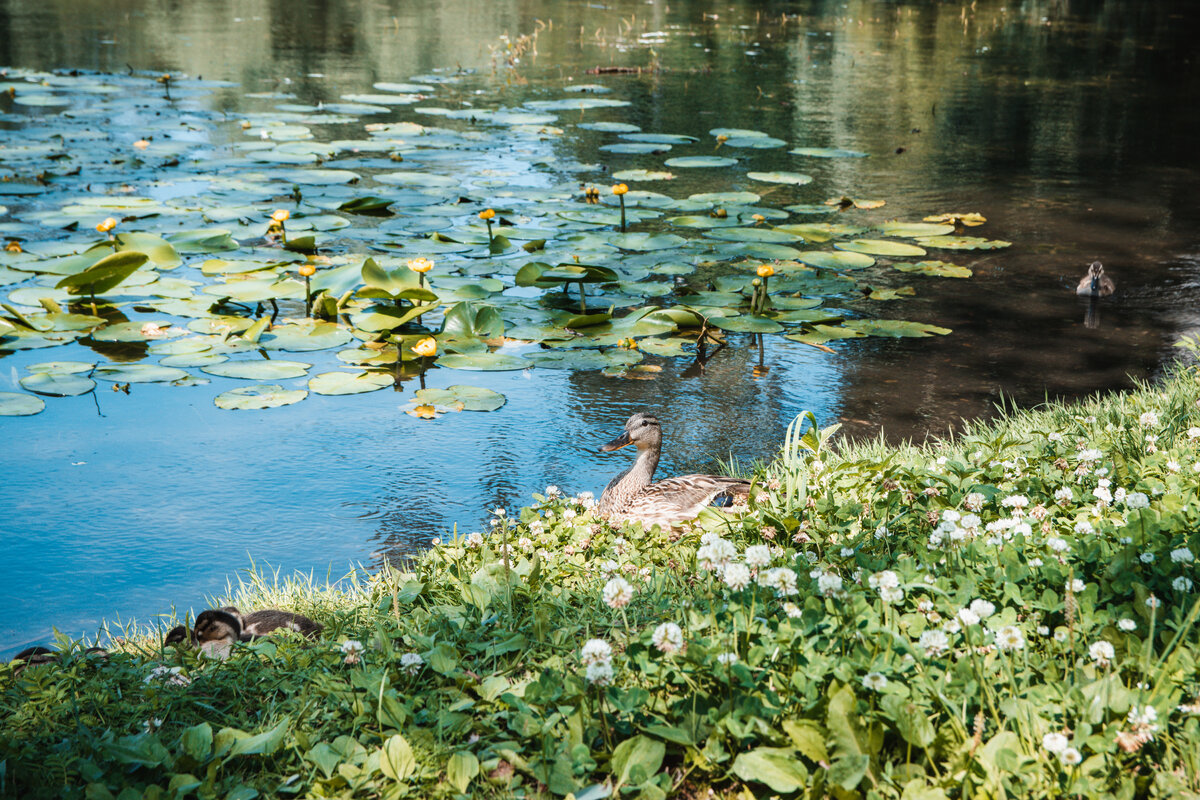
{"x": 14, "y": 247}
{"x": 722, "y": 139}
{"x": 620, "y": 189}
{"x": 487, "y": 214}
{"x": 106, "y": 226}
{"x": 758, "y": 218}
{"x": 426, "y": 347}
{"x": 307, "y": 270}
{"x": 720, "y": 213}
{"x": 421, "y": 265}
{"x": 765, "y": 270}
{"x": 281, "y": 215}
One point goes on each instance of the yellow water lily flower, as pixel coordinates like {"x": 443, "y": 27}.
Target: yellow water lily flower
{"x": 307, "y": 270}
{"x": 426, "y": 347}
{"x": 108, "y": 224}
{"x": 281, "y": 215}
{"x": 620, "y": 189}
{"x": 420, "y": 265}
{"x": 765, "y": 270}
{"x": 487, "y": 214}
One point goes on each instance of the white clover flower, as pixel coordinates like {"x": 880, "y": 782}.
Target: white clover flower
{"x": 1010, "y": 638}
{"x": 982, "y": 608}
{"x": 617, "y": 593}
{"x": 1070, "y": 757}
{"x": 1035, "y": 562}
{"x": 1102, "y": 494}
{"x": 847, "y": 552}
{"x": 715, "y": 554}
{"x": 935, "y": 643}
{"x": 974, "y": 501}
{"x": 891, "y": 595}
{"x": 568, "y": 514}
{"x": 411, "y": 663}
{"x": 1090, "y": 455}
{"x": 1102, "y": 653}
{"x": 727, "y": 658}
{"x": 950, "y": 515}
{"x": 1193, "y": 433}
{"x": 172, "y": 676}
{"x": 1055, "y": 743}
{"x": 1149, "y": 420}
{"x": 668, "y": 638}
{"x": 792, "y": 610}
{"x": 600, "y": 673}
{"x": 1144, "y": 718}
{"x": 875, "y": 681}
{"x": 1182, "y": 555}
{"x": 1119, "y": 495}
{"x": 811, "y": 557}
{"x": 736, "y": 576}
{"x": 971, "y": 522}
{"x": 1153, "y": 602}
{"x": 925, "y": 605}
{"x": 551, "y": 491}
{"x": 1127, "y": 624}
{"x": 1136, "y": 500}
{"x": 1125, "y": 540}
{"x": 474, "y": 539}
{"x": 1147, "y": 558}
{"x": 758, "y": 556}
{"x": 1058, "y": 544}
{"x": 525, "y": 543}
{"x": 1060, "y": 635}
{"x": 1182, "y": 584}
{"x": 352, "y": 647}
{"x": 881, "y": 532}
{"x": 781, "y": 579}
{"x": 594, "y": 651}
{"x": 1172, "y": 465}
{"x": 1043, "y": 630}
{"x": 967, "y": 617}
{"x": 499, "y": 511}
{"x": 1064, "y": 496}
{"x": 887, "y": 578}
{"x": 829, "y": 584}
{"x": 1054, "y": 436}
{"x": 952, "y": 626}
{"x": 1015, "y": 501}
{"x": 1075, "y": 585}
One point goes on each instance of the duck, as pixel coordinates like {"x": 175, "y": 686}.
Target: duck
{"x": 217, "y": 630}
{"x": 1095, "y": 283}
{"x": 632, "y": 495}
{"x": 35, "y": 656}
{"x": 269, "y": 620}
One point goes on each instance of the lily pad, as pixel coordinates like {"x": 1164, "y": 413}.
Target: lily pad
{"x": 14, "y": 404}
{"x": 643, "y": 175}
{"x": 58, "y": 384}
{"x": 464, "y": 398}
{"x": 585, "y": 359}
{"x": 820, "y": 334}
{"x": 881, "y": 247}
{"x": 105, "y": 274}
{"x": 763, "y": 235}
{"x": 913, "y": 230}
{"x": 940, "y": 269}
{"x": 696, "y": 162}
{"x": 826, "y": 152}
{"x": 791, "y": 178}
{"x": 895, "y": 328}
{"x": 259, "y": 370}
{"x": 62, "y": 367}
{"x": 822, "y": 231}
{"x": 490, "y": 362}
{"x": 139, "y": 373}
{"x": 267, "y": 395}
{"x": 304, "y": 337}
{"x": 962, "y": 243}
{"x": 336, "y": 383}
{"x": 746, "y": 324}
{"x": 831, "y": 259}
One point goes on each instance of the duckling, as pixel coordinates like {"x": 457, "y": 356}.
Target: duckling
{"x": 632, "y": 496}
{"x": 1095, "y": 283}
{"x": 34, "y": 656}
{"x": 216, "y": 632}
{"x": 269, "y": 620}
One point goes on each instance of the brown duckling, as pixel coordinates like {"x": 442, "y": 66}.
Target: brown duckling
{"x": 215, "y": 632}
{"x": 1095, "y": 283}
{"x": 269, "y": 620}
{"x": 35, "y": 656}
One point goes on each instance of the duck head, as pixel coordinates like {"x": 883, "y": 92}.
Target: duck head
{"x": 641, "y": 430}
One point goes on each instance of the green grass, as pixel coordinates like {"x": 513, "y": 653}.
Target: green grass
{"x": 923, "y": 654}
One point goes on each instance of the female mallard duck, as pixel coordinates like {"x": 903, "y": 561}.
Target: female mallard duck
{"x": 1095, "y": 283}
{"x": 632, "y": 496}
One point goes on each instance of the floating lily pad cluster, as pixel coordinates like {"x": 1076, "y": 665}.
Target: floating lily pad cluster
{"x": 182, "y": 246}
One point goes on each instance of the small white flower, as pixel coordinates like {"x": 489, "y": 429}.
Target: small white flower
{"x": 1043, "y": 630}
{"x": 352, "y": 647}
{"x": 1060, "y": 635}
{"x": 736, "y": 576}
{"x": 886, "y": 579}
{"x": 1153, "y": 602}
{"x": 758, "y": 556}
{"x": 1102, "y": 494}
{"x": 594, "y": 651}
{"x": 974, "y": 501}
{"x": 847, "y": 552}
{"x": 875, "y": 681}
{"x": 1075, "y": 586}
{"x": 1035, "y": 562}
{"x": 950, "y": 515}
{"x": 1070, "y": 757}
{"x": 599, "y": 673}
{"x": 1016, "y": 501}
{"x": 891, "y": 595}
{"x": 1055, "y": 436}
{"x": 881, "y": 532}
{"x": 1064, "y": 496}
{"x": 1136, "y": 500}
{"x": 475, "y": 539}
{"x": 411, "y": 663}
{"x": 1147, "y": 558}
{"x": 781, "y": 579}
{"x": 617, "y": 593}
{"x": 1125, "y": 540}
{"x": 1055, "y": 742}
{"x": 829, "y": 584}
{"x": 715, "y": 554}
{"x": 792, "y": 610}
{"x": 1182, "y": 555}
{"x": 1127, "y": 624}
{"x": 1102, "y": 653}
{"x": 1058, "y": 544}
{"x": 968, "y": 617}
{"x": 499, "y": 512}
{"x": 1010, "y": 638}
{"x": 1172, "y": 465}
{"x": 1182, "y": 584}
{"x": 1090, "y": 455}
{"x": 668, "y": 638}
{"x": 1145, "y": 718}
{"x": 934, "y": 642}
{"x": 1193, "y": 433}
{"x": 727, "y": 658}
{"x": 982, "y": 608}
{"x": 568, "y": 514}
{"x": 1149, "y": 420}
{"x": 551, "y": 491}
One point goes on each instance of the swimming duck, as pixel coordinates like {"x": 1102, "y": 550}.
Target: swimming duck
{"x": 632, "y": 496}
{"x": 1095, "y": 283}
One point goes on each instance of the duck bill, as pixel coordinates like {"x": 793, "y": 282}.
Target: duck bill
{"x": 616, "y": 444}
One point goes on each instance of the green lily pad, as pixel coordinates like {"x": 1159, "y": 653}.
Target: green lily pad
{"x": 820, "y": 334}
{"x": 267, "y": 395}
{"x": 940, "y": 269}
{"x": 754, "y": 142}
{"x": 962, "y": 243}
{"x": 259, "y": 370}
{"x": 822, "y": 231}
{"x": 575, "y": 104}
{"x": 695, "y": 162}
{"x": 667, "y": 348}
{"x": 895, "y": 328}
{"x": 914, "y": 230}
{"x": 634, "y": 148}
{"x": 138, "y": 332}
{"x": 835, "y": 259}
{"x": 826, "y": 152}
{"x": 791, "y": 178}
{"x": 761, "y": 235}
{"x": 643, "y": 175}
{"x": 464, "y": 398}
{"x": 746, "y": 324}
{"x": 304, "y": 337}
{"x": 139, "y": 373}
{"x": 881, "y": 247}
{"x": 491, "y": 362}
{"x": 105, "y": 274}
{"x": 609, "y": 127}
{"x": 725, "y": 198}
{"x": 14, "y": 404}
{"x": 898, "y": 293}
{"x": 585, "y": 359}
{"x": 62, "y": 367}
{"x": 194, "y": 359}
{"x": 57, "y": 384}
{"x": 646, "y": 242}
{"x": 810, "y": 209}
{"x": 336, "y": 383}
{"x": 160, "y": 252}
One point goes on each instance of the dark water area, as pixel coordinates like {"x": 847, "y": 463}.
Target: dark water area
{"x": 1070, "y": 125}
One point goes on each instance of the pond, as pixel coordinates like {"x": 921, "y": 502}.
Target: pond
{"x": 1061, "y": 124}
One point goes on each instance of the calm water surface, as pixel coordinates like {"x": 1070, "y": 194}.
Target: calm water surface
{"x": 1071, "y": 126}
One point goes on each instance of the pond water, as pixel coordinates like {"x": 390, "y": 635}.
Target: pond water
{"x": 1070, "y": 127}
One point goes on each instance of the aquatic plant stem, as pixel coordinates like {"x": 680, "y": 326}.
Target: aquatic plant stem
{"x": 621, "y": 197}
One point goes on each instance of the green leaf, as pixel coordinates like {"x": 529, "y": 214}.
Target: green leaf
{"x": 139, "y": 373}
{"x": 325, "y": 757}
{"x": 349, "y": 382}
{"x": 104, "y": 274}
{"x": 777, "y": 767}
{"x": 807, "y": 737}
{"x": 848, "y": 771}
{"x": 470, "y": 398}
{"x": 636, "y": 760}
{"x": 14, "y": 404}
{"x": 57, "y": 384}
{"x": 196, "y": 741}
{"x": 264, "y": 743}
{"x": 267, "y": 395}
{"x": 461, "y": 769}
{"x": 396, "y": 758}
{"x": 259, "y": 370}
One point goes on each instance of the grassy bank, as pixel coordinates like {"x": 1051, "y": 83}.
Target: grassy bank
{"x": 1008, "y": 613}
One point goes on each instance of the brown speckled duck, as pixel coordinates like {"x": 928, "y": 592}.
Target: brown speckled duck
{"x": 1095, "y": 283}
{"x": 632, "y": 495}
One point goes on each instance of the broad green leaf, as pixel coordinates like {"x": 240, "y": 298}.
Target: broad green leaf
{"x": 264, "y": 743}
{"x": 138, "y": 373}
{"x": 636, "y": 760}
{"x": 461, "y": 769}
{"x": 940, "y": 269}
{"x": 105, "y": 274}
{"x": 259, "y": 370}
{"x": 349, "y": 382}
{"x": 196, "y": 741}
{"x": 249, "y": 398}
{"x": 777, "y": 767}
{"x": 57, "y": 384}
{"x": 881, "y": 247}
{"x": 13, "y": 404}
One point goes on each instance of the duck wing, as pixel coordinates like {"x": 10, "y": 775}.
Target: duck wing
{"x": 681, "y": 498}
